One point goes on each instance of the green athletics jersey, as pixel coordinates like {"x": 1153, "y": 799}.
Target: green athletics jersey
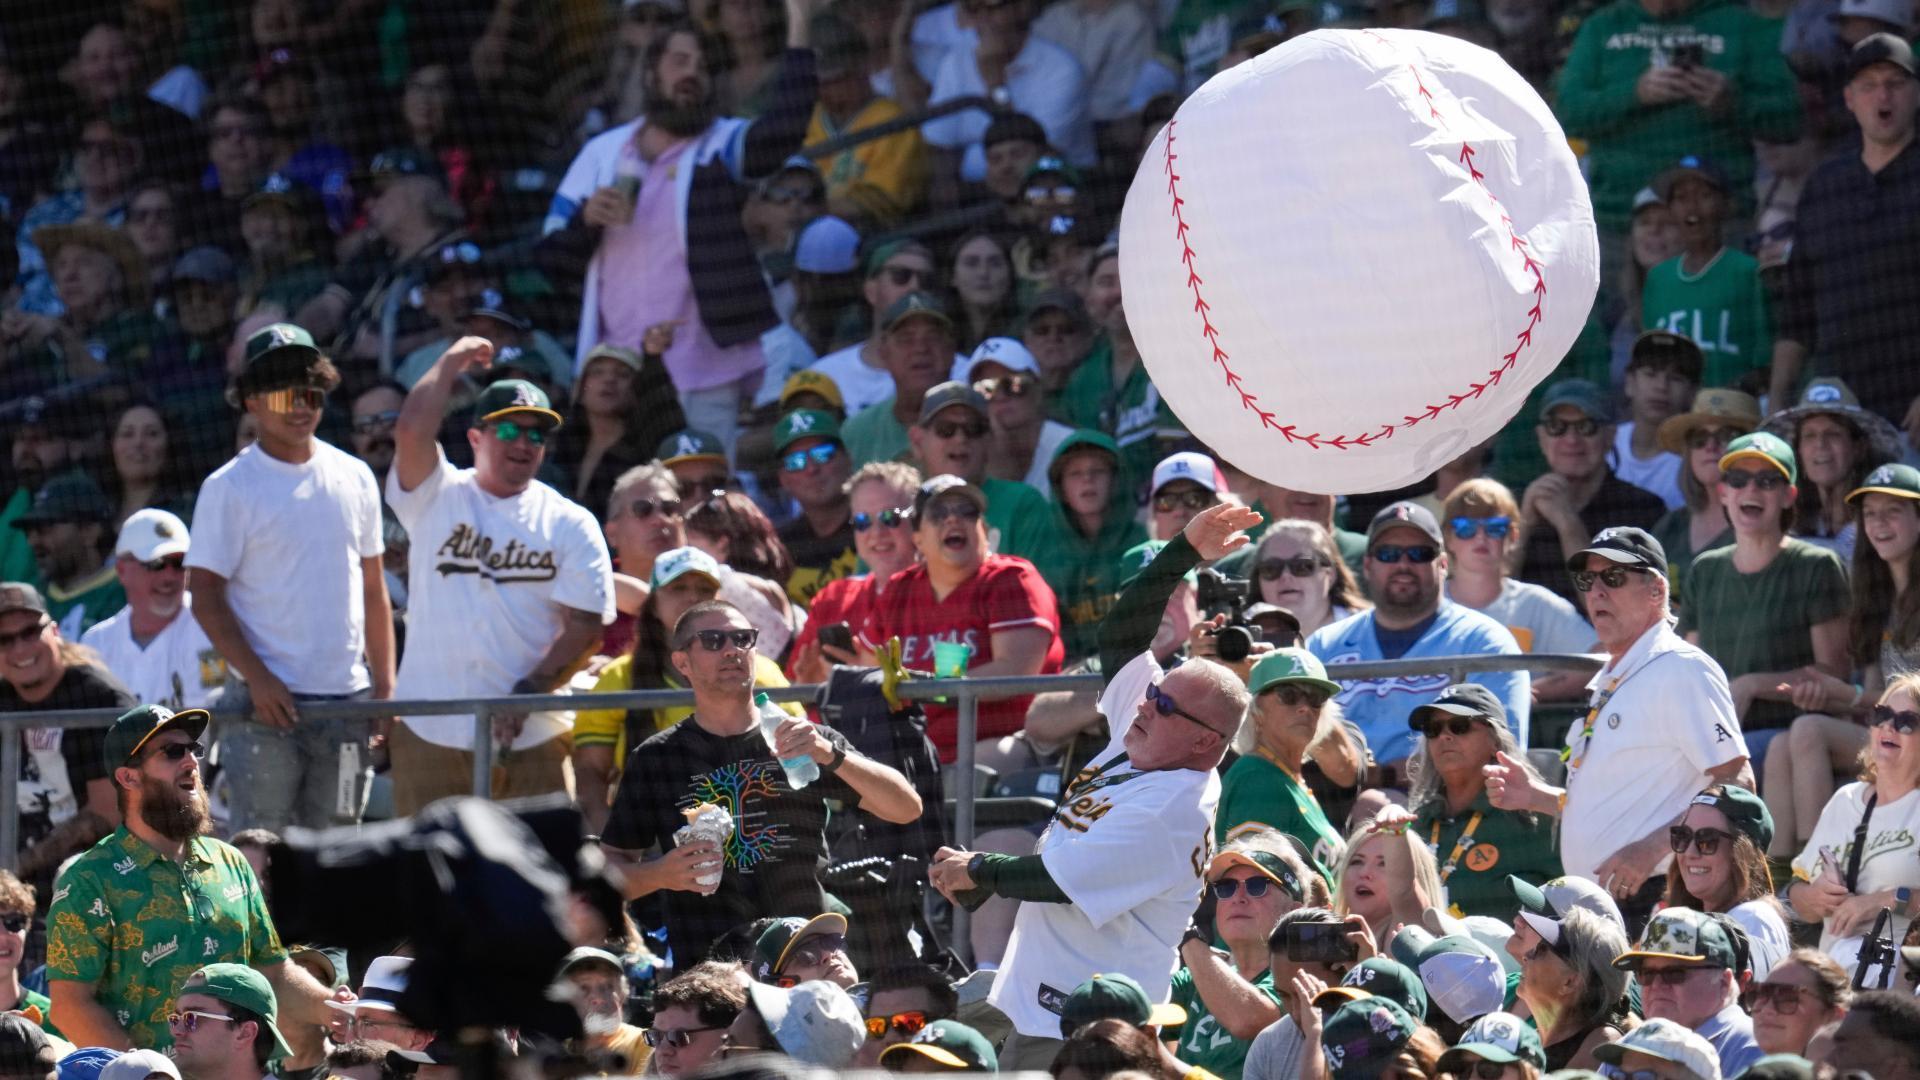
{"x": 1257, "y": 792}
{"x": 134, "y": 924}
{"x": 1474, "y": 868}
{"x": 1723, "y": 309}
{"x": 1203, "y": 1042}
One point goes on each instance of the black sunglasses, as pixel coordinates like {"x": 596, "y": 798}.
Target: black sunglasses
{"x": 1484, "y": 1070}
{"x": 646, "y": 508}
{"x": 15, "y": 921}
{"x": 951, "y": 509}
{"x": 1293, "y": 695}
{"x": 1901, "y": 720}
{"x": 1415, "y": 553}
{"x": 1701, "y": 438}
{"x": 676, "y": 1037}
{"x": 1705, "y": 841}
{"x": 8, "y": 641}
{"x": 1612, "y": 577}
{"x": 376, "y": 421}
{"x": 1670, "y": 976}
{"x": 165, "y": 562}
{"x": 1767, "y": 480}
{"x": 1256, "y": 888}
{"x": 947, "y": 429}
{"x": 891, "y": 519}
{"x": 1584, "y": 427}
{"x": 715, "y": 640}
{"x": 1435, "y": 726}
{"x": 175, "y": 751}
{"x": 1783, "y": 998}
{"x": 1300, "y": 566}
{"x": 1185, "y": 500}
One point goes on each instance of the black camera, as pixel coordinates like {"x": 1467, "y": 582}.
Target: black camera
{"x": 1217, "y": 594}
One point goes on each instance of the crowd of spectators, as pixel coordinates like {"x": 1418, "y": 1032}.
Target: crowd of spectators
{"x": 444, "y": 349}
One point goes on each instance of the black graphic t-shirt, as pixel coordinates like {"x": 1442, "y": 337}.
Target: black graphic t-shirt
{"x": 779, "y": 842}
{"x": 59, "y": 762}
{"x": 817, "y": 559}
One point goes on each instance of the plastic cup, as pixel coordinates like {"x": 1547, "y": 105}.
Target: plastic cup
{"x": 950, "y": 658}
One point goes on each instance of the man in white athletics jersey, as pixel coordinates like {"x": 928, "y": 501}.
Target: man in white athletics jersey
{"x": 1120, "y": 867}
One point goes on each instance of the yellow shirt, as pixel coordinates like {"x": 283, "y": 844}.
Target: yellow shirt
{"x": 608, "y": 727}
{"x": 886, "y": 176}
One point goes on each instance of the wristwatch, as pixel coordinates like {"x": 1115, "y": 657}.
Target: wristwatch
{"x": 974, "y": 866}
{"x": 1194, "y": 933}
{"x": 833, "y": 763}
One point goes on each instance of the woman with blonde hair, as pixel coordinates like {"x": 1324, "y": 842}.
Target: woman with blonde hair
{"x": 1577, "y": 998}
{"x": 1482, "y": 527}
{"x": 1389, "y": 876}
{"x": 1842, "y": 883}
{"x": 1297, "y": 567}
{"x": 1292, "y": 714}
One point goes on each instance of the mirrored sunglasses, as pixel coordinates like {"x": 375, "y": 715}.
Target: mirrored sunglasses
{"x": 1466, "y": 528}
{"x": 890, "y": 519}
{"x": 818, "y": 455}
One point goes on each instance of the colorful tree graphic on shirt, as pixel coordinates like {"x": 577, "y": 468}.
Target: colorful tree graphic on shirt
{"x": 730, "y": 786}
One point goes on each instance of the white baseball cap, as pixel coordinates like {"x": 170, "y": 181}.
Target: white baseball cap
{"x": 1188, "y": 465}
{"x": 381, "y": 987}
{"x": 815, "y": 1023}
{"x": 138, "y": 1065}
{"x": 1008, "y": 352}
{"x": 152, "y": 534}
{"x": 1667, "y": 1041}
{"x": 1462, "y": 976}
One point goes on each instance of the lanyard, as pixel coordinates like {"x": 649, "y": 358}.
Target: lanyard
{"x": 1091, "y": 781}
{"x": 1460, "y": 846}
{"x": 1586, "y": 728}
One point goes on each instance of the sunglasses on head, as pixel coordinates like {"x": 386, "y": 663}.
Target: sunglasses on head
{"x": 1435, "y": 726}
{"x": 679, "y": 1038}
{"x": 1415, "y": 553}
{"x": 1903, "y": 721}
{"x": 947, "y": 429}
{"x": 1765, "y": 480}
{"x": 952, "y": 509}
{"x": 375, "y": 421}
{"x": 1256, "y": 887}
{"x": 1783, "y": 998}
{"x": 8, "y": 641}
{"x": 1293, "y": 695}
{"x": 646, "y": 508}
{"x": 1670, "y": 976}
{"x": 818, "y": 455}
{"x": 1496, "y": 528}
{"x": 1300, "y": 566}
{"x": 891, "y": 519}
{"x": 288, "y": 399}
{"x": 15, "y": 921}
{"x": 1613, "y": 577}
{"x": 1701, "y": 438}
{"x": 175, "y": 751}
{"x": 1013, "y": 386}
{"x": 907, "y": 275}
{"x": 715, "y": 640}
{"x": 165, "y": 562}
{"x": 1184, "y": 500}
{"x": 906, "y": 1023}
{"x": 1584, "y": 427}
{"x": 1705, "y": 841}
{"x": 512, "y": 431}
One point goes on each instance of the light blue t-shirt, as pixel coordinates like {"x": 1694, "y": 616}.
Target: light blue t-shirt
{"x": 1381, "y": 706}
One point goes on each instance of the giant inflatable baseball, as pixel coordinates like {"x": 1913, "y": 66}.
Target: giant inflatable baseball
{"x": 1349, "y": 259}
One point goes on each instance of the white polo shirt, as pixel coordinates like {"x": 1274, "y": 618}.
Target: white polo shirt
{"x": 1668, "y": 720}
{"x": 1129, "y": 851}
{"x": 179, "y": 668}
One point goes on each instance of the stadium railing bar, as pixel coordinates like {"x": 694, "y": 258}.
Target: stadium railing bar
{"x": 966, "y": 694}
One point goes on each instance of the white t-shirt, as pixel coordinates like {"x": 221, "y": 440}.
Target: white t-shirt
{"x": 1767, "y": 935}
{"x": 1129, "y": 853}
{"x": 1892, "y": 858}
{"x": 289, "y": 539}
{"x": 1052, "y": 434}
{"x": 1668, "y": 721}
{"x": 491, "y": 580}
{"x": 1541, "y": 620}
{"x": 179, "y": 668}
{"x": 1044, "y": 81}
{"x": 1659, "y": 474}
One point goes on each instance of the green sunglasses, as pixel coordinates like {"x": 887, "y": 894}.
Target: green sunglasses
{"x": 510, "y": 431}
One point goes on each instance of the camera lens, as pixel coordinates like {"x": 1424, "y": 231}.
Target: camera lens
{"x": 1233, "y": 643}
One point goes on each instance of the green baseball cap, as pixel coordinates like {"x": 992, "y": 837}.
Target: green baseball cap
{"x": 238, "y": 984}
{"x": 1900, "y": 481}
{"x": 138, "y": 725}
{"x": 914, "y": 305}
{"x": 1290, "y": 665}
{"x": 70, "y": 496}
{"x": 1744, "y": 810}
{"x": 877, "y": 258}
{"x": 1362, "y": 1038}
{"x": 1679, "y": 933}
{"x": 1765, "y": 447}
{"x": 509, "y": 397}
{"x": 1498, "y": 1037}
{"x": 1052, "y": 165}
{"x": 1581, "y": 394}
{"x": 1113, "y": 996}
{"x": 689, "y": 445}
{"x": 1379, "y": 977}
{"x": 269, "y": 340}
{"x": 804, "y": 424}
{"x": 948, "y": 1042}
{"x": 776, "y": 942}
{"x": 1139, "y": 556}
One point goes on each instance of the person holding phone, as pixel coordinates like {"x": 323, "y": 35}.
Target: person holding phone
{"x": 880, "y": 501}
{"x": 1309, "y": 948}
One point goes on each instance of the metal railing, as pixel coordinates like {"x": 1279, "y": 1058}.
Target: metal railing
{"x": 964, "y": 694}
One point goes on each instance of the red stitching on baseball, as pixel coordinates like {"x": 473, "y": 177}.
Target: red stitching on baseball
{"x": 1316, "y": 440}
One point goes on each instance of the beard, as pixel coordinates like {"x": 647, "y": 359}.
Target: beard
{"x": 675, "y": 117}
{"x": 174, "y": 814}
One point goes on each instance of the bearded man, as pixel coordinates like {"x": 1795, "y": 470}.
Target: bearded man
{"x": 120, "y": 939}
{"x": 663, "y": 246}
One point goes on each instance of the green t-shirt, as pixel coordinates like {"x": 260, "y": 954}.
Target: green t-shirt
{"x": 1503, "y": 843}
{"x": 134, "y": 924}
{"x": 16, "y": 558}
{"x": 1133, "y": 412}
{"x": 1016, "y": 516}
{"x": 1760, "y": 622}
{"x": 89, "y": 601}
{"x": 1256, "y": 791}
{"x": 875, "y": 434}
{"x": 1084, "y": 573}
{"x": 1203, "y": 1042}
{"x": 1723, "y": 309}
{"x": 35, "y": 1006}
{"x": 1674, "y": 531}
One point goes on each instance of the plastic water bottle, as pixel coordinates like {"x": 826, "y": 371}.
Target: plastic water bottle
{"x": 802, "y": 770}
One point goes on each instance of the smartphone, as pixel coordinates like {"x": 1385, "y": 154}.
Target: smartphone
{"x": 839, "y": 635}
{"x": 1320, "y": 943}
{"x": 1690, "y": 55}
